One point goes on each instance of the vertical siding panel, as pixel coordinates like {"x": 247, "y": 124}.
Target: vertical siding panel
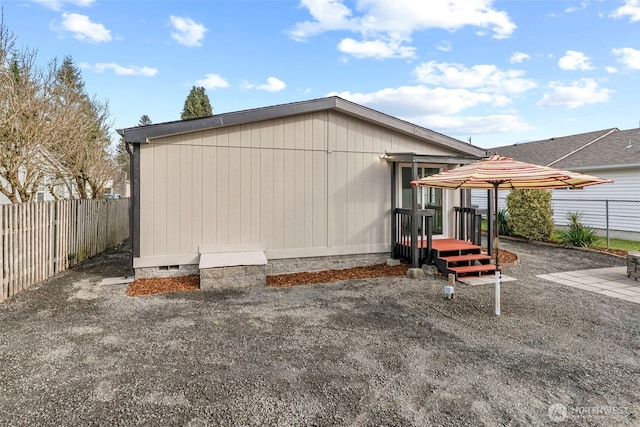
{"x": 256, "y": 207}
{"x": 197, "y": 229}
{"x": 172, "y": 200}
{"x": 319, "y": 131}
{"x": 266, "y": 198}
{"x": 308, "y": 131}
{"x": 246, "y": 195}
{"x": 341, "y": 199}
{"x": 155, "y": 210}
{"x": 319, "y": 199}
{"x": 279, "y": 195}
{"x": 299, "y": 195}
{"x": 289, "y": 133}
{"x": 186, "y": 197}
{"x": 245, "y": 136}
{"x": 222, "y": 137}
{"x": 255, "y": 135}
{"x": 209, "y": 195}
{"x": 266, "y": 135}
{"x": 235, "y": 185}
{"x": 222, "y": 191}
{"x": 351, "y": 199}
{"x": 298, "y": 134}
{"x": 290, "y": 185}
{"x": 278, "y": 134}
{"x": 309, "y": 179}
{"x": 331, "y": 179}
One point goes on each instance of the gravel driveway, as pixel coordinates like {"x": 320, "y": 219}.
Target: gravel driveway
{"x": 382, "y": 352}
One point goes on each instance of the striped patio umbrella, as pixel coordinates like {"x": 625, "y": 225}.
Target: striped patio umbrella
{"x": 497, "y": 172}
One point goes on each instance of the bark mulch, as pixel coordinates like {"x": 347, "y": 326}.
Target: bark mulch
{"x": 154, "y": 286}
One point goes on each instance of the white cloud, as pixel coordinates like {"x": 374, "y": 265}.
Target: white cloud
{"x": 212, "y": 81}
{"x": 574, "y": 95}
{"x": 574, "y": 60}
{"x": 273, "y": 84}
{"x": 475, "y": 125}
{"x": 57, "y": 4}
{"x": 444, "y": 46}
{"x": 186, "y": 31}
{"x": 119, "y": 70}
{"x": 384, "y": 23}
{"x": 438, "y": 109}
{"x": 83, "y": 29}
{"x": 377, "y": 49}
{"x": 483, "y": 78}
{"x": 631, "y": 8}
{"x": 518, "y": 57}
{"x": 583, "y": 5}
{"x": 413, "y": 101}
{"x": 628, "y": 56}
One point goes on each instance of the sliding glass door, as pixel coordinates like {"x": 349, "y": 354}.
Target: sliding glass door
{"x": 428, "y": 197}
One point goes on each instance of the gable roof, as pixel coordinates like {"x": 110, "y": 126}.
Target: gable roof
{"x": 600, "y": 149}
{"x": 144, "y": 134}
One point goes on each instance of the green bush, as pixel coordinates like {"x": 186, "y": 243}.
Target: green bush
{"x": 503, "y": 223}
{"x": 530, "y": 214}
{"x": 578, "y": 234}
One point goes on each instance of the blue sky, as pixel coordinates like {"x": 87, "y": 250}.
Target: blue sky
{"x": 498, "y": 72}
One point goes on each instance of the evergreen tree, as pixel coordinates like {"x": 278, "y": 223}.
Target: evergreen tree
{"x": 196, "y": 105}
{"x": 122, "y": 155}
{"x": 144, "y": 120}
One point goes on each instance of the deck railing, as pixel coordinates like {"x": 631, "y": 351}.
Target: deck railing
{"x": 468, "y": 223}
{"x": 415, "y": 243}
{"x": 411, "y": 240}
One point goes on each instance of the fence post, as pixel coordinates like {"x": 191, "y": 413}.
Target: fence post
{"x": 606, "y": 204}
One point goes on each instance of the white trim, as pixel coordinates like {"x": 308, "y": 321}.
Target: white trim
{"x": 208, "y": 249}
{"x": 230, "y": 259}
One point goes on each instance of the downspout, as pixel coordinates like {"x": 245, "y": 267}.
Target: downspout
{"x": 127, "y": 146}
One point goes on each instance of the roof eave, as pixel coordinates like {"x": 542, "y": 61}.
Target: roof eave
{"x": 144, "y": 134}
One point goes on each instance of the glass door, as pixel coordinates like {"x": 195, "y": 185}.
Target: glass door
{"x": 428, "y": 197}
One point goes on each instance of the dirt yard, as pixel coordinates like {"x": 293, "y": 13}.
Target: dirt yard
{"x": 384, "y": 351}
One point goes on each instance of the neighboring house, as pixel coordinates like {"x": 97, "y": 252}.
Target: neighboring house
{"x": 50, "y": 188}
{"x": 609, "y": 153}
{"x": 303, "y": 186}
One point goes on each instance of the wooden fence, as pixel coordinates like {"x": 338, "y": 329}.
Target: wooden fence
{"x": 38, "y": 240}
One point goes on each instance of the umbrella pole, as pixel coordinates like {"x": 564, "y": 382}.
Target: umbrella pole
{"x": 495, "y": 242}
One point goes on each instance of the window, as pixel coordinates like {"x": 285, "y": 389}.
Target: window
{"x": 428, "y": 197}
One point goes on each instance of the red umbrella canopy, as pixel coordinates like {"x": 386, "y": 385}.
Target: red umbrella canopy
{"x": 506, "y": 173}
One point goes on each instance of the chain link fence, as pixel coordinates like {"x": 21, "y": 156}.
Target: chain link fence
{"x": 618, "y": 219}
{"x": 613, "y": 219}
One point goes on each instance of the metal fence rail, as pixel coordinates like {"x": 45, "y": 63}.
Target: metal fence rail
{"x": 38, "y": 240}
{"x": 610, "y": 218}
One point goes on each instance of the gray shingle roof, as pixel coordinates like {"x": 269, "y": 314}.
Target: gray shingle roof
{"x": 602, "y": 148}
{"x": 143, "y": 134}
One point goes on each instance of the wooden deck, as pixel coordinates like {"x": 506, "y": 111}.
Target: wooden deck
{"x": 459, "y": 257}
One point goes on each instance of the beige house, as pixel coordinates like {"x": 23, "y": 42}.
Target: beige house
{"x": 296, "y": 187}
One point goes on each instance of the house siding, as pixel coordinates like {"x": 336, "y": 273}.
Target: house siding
{"x": 307, "y": 184}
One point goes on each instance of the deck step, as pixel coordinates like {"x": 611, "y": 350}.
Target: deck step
{"x": 463, "y": 258}
{"x": 473, "y": 268}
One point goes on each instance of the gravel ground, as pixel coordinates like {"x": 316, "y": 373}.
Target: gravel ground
{"x": 387, "y": 351}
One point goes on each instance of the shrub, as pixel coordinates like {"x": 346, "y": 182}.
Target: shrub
{"x": 577, "y": 234}
{"x": 530, "y": 214}
{"x": 503, "y": 223}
